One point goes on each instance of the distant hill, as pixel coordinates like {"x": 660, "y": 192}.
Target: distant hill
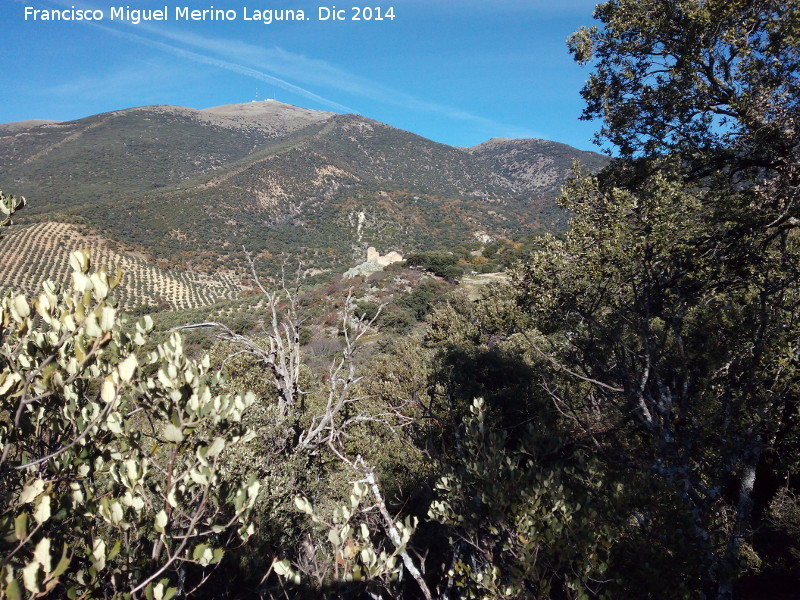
{"x": 193, "y": 186}
{"x": 536, "y": 167}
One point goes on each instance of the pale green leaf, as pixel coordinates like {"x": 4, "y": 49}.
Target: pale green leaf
{"x": 42, "y": 511}
{"x": 31, "y": 491}
{"x": 41, "y": 554}
{"x": 12, "y": 591}
{"x": 99, "y": 554}
{"x": 30, "y": 576}
{"x": 173, "y": 433}
{"x": 303, "y": 505}
{"x": 127, "y": 367}
{"x": 79, "y": 261}
{"x": 100, "y": 286}
{"x": 20, "y": 307}
{"x": 333, "y": 537}
{"x": 161, "y": 521}
{"x": 282, "y": 567}
{"x": 108, "y": 392}
{"x": 108, "y": 317}
{"x": 21, "y": 526}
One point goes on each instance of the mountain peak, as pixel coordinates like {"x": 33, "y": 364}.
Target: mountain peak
{"x": 537, "y": 167}
{"x": 263, "y": 107}
{"x": 270, "y": 115}
{"x": 15, "y": 126}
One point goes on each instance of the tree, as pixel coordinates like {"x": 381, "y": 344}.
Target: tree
{"x": 715, "y": 83}
{"x": 519, "y": 507}
{"x": 667, "y": 320}
{"x": 522, "y": 511}
{"x": 675, "y": 354}
{"x": 443, "y": 264}
{"x": 716, "y": 80}
{"x": 324, "y": 427}
{"x": 669, "y": 312}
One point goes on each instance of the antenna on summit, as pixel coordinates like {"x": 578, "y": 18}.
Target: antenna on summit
{"x": 256, "y": 100}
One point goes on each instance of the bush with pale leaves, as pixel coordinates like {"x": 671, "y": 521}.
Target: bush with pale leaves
{"x": 108, "y": 474}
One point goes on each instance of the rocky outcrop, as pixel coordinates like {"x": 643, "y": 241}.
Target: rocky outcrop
{"x": 375, "y": 262}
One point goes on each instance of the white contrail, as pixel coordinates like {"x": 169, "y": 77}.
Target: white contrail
{"x": 227, "y": 65}
{"x": 307, "y": 70}
{"x": 211, "y": 61}
{"x": 323, "y": 73}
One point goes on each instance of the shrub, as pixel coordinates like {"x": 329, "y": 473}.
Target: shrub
{"x": 443, "y": 264}
{"x": 108, "y": 476}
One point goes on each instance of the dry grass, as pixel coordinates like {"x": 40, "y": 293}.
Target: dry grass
{"x": 473, "y": 284}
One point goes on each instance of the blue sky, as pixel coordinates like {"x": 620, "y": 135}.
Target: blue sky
{"x": 456, "y": 71}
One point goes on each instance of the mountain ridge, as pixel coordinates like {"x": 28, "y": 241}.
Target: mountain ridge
{"x": 192, "y": 186}
{"x": 543, "y": 175}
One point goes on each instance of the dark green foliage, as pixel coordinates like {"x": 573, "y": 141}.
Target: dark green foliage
{"x": 397, "y": 320}
{"x": 689, "y": 351}
{"x": 443, "y": 264}
{"x": 525, "y": 516}
{"x": 367, "y": 310}
{"x": 421, "y": 298}
{"x": 715, "y": 80}
{"x": 670, "y": 309}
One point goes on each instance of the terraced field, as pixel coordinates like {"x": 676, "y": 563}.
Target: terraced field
{"x": 33, "y": 254}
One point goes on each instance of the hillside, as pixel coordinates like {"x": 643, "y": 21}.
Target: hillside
{"x": 194, "y": 186}
{"x": 22, "y": 125}
{"x": 41, "y": 251}
{"x": 135, "y": 150}
{"x": 535, "y": 167}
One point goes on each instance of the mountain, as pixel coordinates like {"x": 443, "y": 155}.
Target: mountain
{"x": 136, "y": 150}
{"x": 191, "y": 187}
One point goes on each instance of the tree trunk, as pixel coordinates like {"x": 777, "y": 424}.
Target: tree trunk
{"x": 744, "y": 507}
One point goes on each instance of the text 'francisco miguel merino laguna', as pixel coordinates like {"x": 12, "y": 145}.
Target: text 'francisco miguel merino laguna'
{"x": 185, "y": 13}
